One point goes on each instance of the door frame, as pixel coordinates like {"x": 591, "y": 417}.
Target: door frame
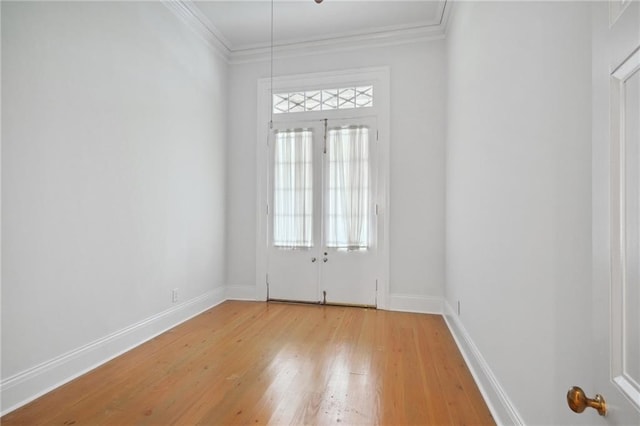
{"x": 379, "y": 78}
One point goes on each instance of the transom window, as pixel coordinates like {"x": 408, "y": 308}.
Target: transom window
{"x": 323, "y": 100}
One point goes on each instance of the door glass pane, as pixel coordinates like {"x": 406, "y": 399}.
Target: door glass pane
{"x": 631, "y": 290}
{"x": 293, "y": 189}
{"x": 348, "y": 192}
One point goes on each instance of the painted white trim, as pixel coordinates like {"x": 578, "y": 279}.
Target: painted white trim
{"x": 502, "y": 408}
{"x": 190, "y": 14}
{"x": 240, "y": 292}
{"x": 186, "y": 11}
{"x": 380, "y": 77}
{"x": 447, "y": 17}
{"x": 376, "y": 32}
{"x": 30, "y": 384}
{"x": 627, "y": 386}
{"x": 34, "y": 382}
{"x": 414, "y": 303}
{"x": 338, "y": 44}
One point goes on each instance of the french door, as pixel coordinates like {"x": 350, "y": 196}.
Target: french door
{"x": 322, "y": 221}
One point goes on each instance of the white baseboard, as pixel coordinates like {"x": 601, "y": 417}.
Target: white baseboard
{"x": 417, "y": 304}
{"x": 240, "y": 292}
{"x": 30, "y": 384}
{"x": 503, "y": 410}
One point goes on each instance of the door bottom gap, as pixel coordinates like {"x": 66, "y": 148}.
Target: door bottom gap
{"x": 320, "y": 303}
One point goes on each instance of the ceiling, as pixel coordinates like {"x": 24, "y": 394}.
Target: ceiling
{"x": 246, "y": 24}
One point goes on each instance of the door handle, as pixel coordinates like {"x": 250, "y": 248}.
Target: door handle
{"x": 325, "y": 260}
{"x": 578, "y": 401}
{"x": 313, "y": 259}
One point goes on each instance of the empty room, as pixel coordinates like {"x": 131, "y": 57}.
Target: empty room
{"x": 320, "y": 212}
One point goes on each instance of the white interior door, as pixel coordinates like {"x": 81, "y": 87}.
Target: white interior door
{"x": 350, "y": 226}
{"x": 322, "y": 221}
{"x": 295, "y": 181}
{"x": 616, "y": 212}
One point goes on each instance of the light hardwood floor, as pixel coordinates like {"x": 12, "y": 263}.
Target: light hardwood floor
{"x": 258, "y": 363}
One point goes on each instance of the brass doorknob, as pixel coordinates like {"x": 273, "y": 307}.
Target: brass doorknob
{"x": 578, "y": 401}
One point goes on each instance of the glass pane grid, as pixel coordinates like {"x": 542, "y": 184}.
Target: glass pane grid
{"x": 348, "y": 211}
{"x": 323, "y": 100}
{"x": 313, "y": 101}
{"x": 329, "y": 99}
{"x": 293, "y": 188}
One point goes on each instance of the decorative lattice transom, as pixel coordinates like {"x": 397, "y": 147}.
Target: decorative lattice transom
{"x": 323, "y": 100}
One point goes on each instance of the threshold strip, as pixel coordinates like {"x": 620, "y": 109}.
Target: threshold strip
{"x": 320, "y": 303}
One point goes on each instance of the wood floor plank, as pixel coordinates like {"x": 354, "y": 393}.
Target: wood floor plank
{"x": 433, "y": 395}
{"x": 271, "y": 363}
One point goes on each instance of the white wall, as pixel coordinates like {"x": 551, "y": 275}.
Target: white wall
{"x": 416, "y": 163}
{"x": 113, "y": 173}
{"x": 518, "y": 241}
{"x": 114, "y": 154}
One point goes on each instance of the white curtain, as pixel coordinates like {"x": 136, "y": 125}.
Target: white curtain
{"x": 293, "y": 189}
{"x": 348, "y": 195}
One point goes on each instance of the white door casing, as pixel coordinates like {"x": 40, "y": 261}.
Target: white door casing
{"x": 331, "y": 271}
{"x": 616, "y": 213}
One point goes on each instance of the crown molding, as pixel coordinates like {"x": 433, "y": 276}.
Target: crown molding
{"x": 339, "y": 44}
{"x": 336, "y": 36}
{"x": 448, "y": 14}
{"x": 189, "y": 13}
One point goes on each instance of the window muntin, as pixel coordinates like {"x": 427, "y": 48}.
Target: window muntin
{"x": 323, "y": 100}
{"x": 293, "y": 189}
